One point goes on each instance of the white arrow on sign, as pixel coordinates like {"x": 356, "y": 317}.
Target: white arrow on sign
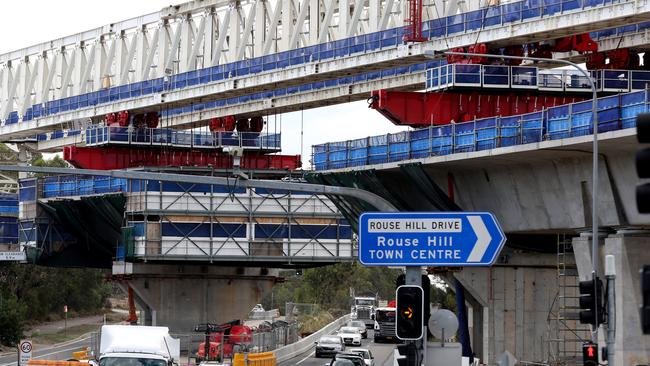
{"x": 483, "y": 238}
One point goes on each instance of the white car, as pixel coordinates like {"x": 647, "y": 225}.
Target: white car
{"x": 350, "y": 336}
{"x": 368, "y": 359}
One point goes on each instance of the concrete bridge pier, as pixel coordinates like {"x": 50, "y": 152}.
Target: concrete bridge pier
{"x": 182, "y": 296}
{"x": 631, "y": 250}
{"x": 511, "y": 304}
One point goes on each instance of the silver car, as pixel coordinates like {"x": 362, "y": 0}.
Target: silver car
{"x": 329, "y": 345}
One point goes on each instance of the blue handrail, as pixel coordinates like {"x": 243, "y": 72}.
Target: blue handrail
{"x": 615, "y": 112}
{"x": 494, "y": 16}
{"x": 102, "y": 135}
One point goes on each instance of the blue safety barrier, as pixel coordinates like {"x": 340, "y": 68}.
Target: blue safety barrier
{"x": 9, "y": 230}
{"x": 571, "y": 120}
{"x": 493, "y": 16}
{"x": 8, "y": 205}
{"x": 71, "y": 185}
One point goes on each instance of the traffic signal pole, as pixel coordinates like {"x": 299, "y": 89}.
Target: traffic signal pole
{"x": 610, "y": 275}
{"x": 413, "y": 276}
{"x": 594, "y": 118}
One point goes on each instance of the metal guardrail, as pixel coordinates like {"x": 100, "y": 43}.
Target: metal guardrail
{"x": 528, "y": 77}
{"x": 101, "y": 135}
{"x": 292, "y": 350}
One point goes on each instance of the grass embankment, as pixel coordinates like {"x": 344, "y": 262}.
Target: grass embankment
{"x": 73, "y": 332}
{"x": 64, "y": 335}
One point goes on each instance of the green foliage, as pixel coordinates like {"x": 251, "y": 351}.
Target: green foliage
{"x": 55, "y": 162}
{"x": 32, "y": 294}
{"x": 11, "y": 320}
{"x": 310, "y": 323}
{"x": 6, "y": 154}
{"x": 444, "y": 298}
{"x": 330, "y": 286}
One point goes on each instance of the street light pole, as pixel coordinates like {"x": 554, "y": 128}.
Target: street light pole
{"x": 594, "y": 118}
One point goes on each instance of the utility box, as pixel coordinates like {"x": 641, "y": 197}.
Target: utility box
{"x": 449, "y": 354}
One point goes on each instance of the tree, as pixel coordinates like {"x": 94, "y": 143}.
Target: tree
{"x": 30, "y": 293}
{"x": 11, "y": 320}
{"x": 55, "y": 162}
{"x": 329, "y": 286}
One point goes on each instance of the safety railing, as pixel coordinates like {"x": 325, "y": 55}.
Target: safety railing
{"x": 493, "y": 16}
{"x": 507, "y": 13}
{"x": 620, "y": 31}
{"x": 527, "y": 77}
{"x": 71, "y": 186}
{"x": 8, "y": 205}
{"x": 100, "y": 136}
{"x": 571, "y": 120}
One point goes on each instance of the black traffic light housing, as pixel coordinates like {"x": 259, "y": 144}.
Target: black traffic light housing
{"x": 426, "y": 286}
{"x": 645, "y": 298}
{"x": 643, "y": 162}
{"x": 410, "y": 312}
{"x": 589, "y": 354}
{"x": 591, "y": 302}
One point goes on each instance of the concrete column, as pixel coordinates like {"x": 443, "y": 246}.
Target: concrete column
{"x": 182, "y": 296}
{"x": 631, "y": 251}
{"x": 510, "y": 304}
{"x": 582, "y": 253}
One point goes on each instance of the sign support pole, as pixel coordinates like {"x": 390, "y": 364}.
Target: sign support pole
{"x": 413, "y": 276}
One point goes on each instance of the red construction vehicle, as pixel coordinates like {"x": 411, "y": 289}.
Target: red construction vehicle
{"x": 233, "y": 335}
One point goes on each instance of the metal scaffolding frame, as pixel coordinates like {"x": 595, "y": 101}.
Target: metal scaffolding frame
{"x": 296, "y": 205}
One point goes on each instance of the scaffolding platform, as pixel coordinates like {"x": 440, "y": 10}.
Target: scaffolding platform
{"x": 531, "y": 78}
{"x": 165, "y": 221}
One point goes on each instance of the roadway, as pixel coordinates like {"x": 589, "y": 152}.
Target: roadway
{"x": 61, "y": 351}
{"x": 383, "y": 353}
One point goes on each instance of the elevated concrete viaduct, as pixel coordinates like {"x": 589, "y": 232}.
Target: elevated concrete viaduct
{"x": 541, "y": 195}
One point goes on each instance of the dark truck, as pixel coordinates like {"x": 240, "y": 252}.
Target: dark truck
{"x": 385, "y": 325}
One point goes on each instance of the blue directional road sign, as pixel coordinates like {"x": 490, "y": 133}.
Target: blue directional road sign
{"x": 429, "y": 239}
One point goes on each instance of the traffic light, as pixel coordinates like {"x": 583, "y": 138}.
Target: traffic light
{"x": 589, "y": 354}
{"x": 410, "y": 314}
{"x": 426, "y": 287}
{"x": 645, "y": 297}
{"x": 643, "y": 163}
{"x": 591, "y": 302}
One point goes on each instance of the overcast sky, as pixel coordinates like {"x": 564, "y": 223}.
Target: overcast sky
{"x": 28, "y": 22}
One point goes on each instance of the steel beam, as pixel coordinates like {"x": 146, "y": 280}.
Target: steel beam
{"x": 376, "y": 201}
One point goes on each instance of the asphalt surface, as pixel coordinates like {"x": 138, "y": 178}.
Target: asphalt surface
{"x": 383, "y": 353}
{"x": 61, "y": 351}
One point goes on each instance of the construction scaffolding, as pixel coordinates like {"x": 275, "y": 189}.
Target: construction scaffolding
{"x": 169, "y": 221}
{"x": 566, "y": 344}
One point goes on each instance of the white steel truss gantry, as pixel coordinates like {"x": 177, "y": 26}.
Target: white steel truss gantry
{"x": 189, "y": 36}
{"x": 175, "y": 40}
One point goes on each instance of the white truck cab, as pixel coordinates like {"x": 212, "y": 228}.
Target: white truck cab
{"x": 132, "y": 345}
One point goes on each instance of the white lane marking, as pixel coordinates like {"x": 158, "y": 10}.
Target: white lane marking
{"x": 305, "y": 359}
{"x": 483, "y": 238}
